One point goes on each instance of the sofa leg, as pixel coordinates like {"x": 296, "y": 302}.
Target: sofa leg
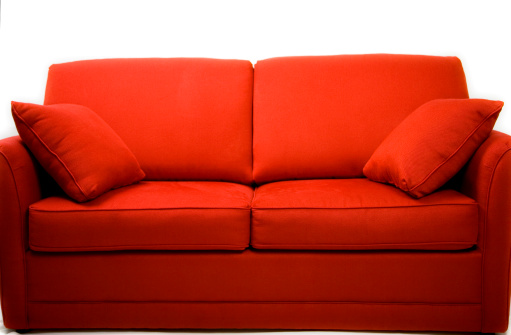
{"x": 22, "y": 331}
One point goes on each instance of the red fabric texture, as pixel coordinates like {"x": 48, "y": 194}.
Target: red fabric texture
{"x": 20, "y": 187}
{"x": 256, "y": 276}
{"x": 323, "y": 117}
{"x": 183, "y": 118}
{"x": 432, "y": 144}
{"x": 487, "y": 180}
{"x": 351, "y": 214}
{"x": 292, "y": 315}
{"x": 146, "y": 216}
{"x": 77, "y": 148}
{"x": 189, "y": 122}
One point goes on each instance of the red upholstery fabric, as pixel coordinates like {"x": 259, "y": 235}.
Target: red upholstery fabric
{"x": 20, "y": 187}
{"x": 487, "y": 179}
{"x": 323, "y": 117}
{"x": 149, "y": 215}
{"x": 355, "y": 214}
{"x": 270, "y": 315}
{"x": 314, "y": 117}
{"x": 432, "y": 144}
{"x": 77, "y": 148}
{"x": 183, "y": 118}
{"x": 256, "y": 276}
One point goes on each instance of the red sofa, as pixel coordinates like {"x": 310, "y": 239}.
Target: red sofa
{"x": 254, "y": 212}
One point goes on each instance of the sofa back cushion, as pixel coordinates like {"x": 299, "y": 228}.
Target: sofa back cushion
{"x": 183, "y": 118}
{"x": 323, "y": 116}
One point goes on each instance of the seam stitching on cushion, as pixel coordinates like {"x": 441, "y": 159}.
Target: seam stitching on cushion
{"x": 136, "y": 209}
{"x": 490, "y": 184}
{"x": 256, "y": 302}
{"x": 22, "y": 237}
{"x": 142, "y": 245}
{"x": 253, "y": 197}
{"x": 52, "y": 152}
{"x": 457, "y": 150}
{"x": 387, "y": 207}
{"x": 365, "y": 244}
{"x": 251, "y": 226}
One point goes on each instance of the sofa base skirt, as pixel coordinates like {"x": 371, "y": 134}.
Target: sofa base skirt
{"x": 256, "y": 315}
{"x": 258, "y": 276}
{"x": 304, "y": 290}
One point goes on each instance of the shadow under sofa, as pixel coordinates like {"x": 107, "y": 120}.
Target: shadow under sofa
{"x": 254, "y": 213}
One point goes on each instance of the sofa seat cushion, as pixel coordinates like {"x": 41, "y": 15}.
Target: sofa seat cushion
{"x": 358, "y": 214}
{"x": 146, "y": 216}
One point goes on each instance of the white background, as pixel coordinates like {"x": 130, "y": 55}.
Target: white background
{"x": 35, "y": 34}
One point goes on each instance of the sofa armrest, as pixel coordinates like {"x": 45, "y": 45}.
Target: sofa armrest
{"x": 19, "y": 188}
{"x": 487, "y": 179}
